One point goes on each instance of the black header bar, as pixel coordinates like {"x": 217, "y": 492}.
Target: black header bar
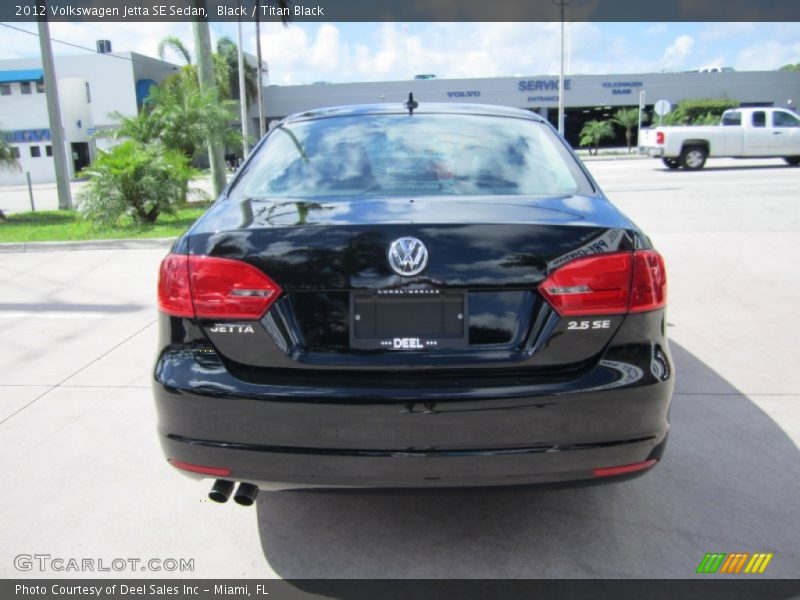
{"x": 400, "y": 11}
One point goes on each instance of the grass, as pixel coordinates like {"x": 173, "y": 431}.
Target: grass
{"x": 63, "y": 225}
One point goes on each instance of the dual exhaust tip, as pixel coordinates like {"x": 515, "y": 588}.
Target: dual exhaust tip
{"x": 245, "y": 495}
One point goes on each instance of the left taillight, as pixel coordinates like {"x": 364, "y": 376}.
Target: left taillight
{"x": 174, "y": 293}
{"x": 608, "y": 284}
{"x": 207, "y": 287}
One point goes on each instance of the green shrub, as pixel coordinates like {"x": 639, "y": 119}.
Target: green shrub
{"x": 704, "y": 111}
{"x": 134, "y": 180}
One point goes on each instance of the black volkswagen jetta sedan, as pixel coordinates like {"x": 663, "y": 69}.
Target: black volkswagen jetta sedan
{"x": 389, "y": 297}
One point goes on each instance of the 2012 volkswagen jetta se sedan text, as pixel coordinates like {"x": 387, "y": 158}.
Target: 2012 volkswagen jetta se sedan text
{"x": 389, "y": 297}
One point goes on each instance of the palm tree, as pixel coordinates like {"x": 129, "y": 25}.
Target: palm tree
{"x": 594, "y": 132}
{"x": 187, "y": 119}
{"x": 226, "y": 71}
{"x": 627, "y": 118}
{"x": 175, "y": 44}
{"x": 227, "y": 53}
{"x": 7, "y": 158}
{"x": 181, "y": 117}
{"x": 284, "y": 6}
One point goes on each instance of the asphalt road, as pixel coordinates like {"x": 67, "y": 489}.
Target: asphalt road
{"x": 84, "y": 475}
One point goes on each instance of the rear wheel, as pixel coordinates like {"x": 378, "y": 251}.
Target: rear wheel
{"x": 792, "y": 160}
{"x": 671, "y": 163}
{"x": 693, "y": 158}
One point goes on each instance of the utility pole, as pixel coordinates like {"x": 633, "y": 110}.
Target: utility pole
{"x": 54, "y": 112}
{"x": 561, "y": 4}
{"x": 242, "y": 96}
{"x": 258, "y": 71}
{"x": 205, "y": 75}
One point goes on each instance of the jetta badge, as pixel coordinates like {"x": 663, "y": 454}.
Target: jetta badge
{"x": 408, "y": 256}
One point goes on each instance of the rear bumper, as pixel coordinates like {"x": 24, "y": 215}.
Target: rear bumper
{"x": 288, "y": 468}
{"x": 655, "y": 152}
{"x": 444, "y": 434}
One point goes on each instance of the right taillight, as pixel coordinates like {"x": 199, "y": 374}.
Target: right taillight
{"x": 649, "y": 282}
{"x": 207, "y": 287}
{"x": 608, "y": 284}
{"x": 660, "y": 137}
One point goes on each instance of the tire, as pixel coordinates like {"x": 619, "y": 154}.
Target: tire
{"x": 792, "y": 160}
{"x": 671, "y": 163}
{"x": 693, "y": 158}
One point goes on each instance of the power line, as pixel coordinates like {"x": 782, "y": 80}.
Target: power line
{"x": 92, "y": 50}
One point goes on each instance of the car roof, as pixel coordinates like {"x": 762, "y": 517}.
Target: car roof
{"x": 388, "y": 108}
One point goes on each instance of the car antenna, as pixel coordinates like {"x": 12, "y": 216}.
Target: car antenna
{"x": 411, "y": 104}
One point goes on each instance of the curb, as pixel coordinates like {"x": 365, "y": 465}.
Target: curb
{"x": 19, "y": 247}
{"x": 613, "y": 157}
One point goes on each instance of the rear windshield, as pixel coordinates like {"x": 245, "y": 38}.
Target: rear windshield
{"x": 423, "y": 154}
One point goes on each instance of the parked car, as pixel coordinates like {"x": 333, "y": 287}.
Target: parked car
{"x": 390, "y": 297}
{"x": 742, "y": 133}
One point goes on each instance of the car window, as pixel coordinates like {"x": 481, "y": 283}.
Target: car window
{"x": 732, "y": 119}
{"x": 423, "y": 154}
{"x": 784, "y": 119}
{"x": 759, "y": 119}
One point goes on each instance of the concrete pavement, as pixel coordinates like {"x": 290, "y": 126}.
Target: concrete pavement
{"x": 85, "y": 476}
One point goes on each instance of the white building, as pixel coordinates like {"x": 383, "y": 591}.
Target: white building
{"x": 90, "y": 87}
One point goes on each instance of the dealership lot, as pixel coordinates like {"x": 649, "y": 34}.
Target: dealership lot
{"x": 85, "y": 477}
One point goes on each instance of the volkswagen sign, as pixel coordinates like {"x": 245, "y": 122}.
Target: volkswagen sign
{"x": 408, "y": 256}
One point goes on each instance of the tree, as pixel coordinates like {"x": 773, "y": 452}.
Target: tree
{"x": 594, "y": 132}
{"x": 790, "y": 67}
{"x": 702, "y": 111}
{"x": 223, "y": 73}
{"x": 7, "y": 158}
{"x": 175, "y": 44}
{"x": 283, "y": 5}
{"x": 181, "y": 117}
{"x": 627, "y": 118}
{"x": 227, "y": 58}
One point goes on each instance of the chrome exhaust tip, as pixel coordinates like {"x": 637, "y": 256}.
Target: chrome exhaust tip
{"x": 246, "y": 494}
{"x": 221, "y": 491}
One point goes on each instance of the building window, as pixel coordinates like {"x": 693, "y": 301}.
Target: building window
{"x": 14, "y": 151}
{"x": 88, "y": 94}
{"x": 5, "y": 89}
{"x": 48, "y": 150}
{"x": 26, "y": 87}
{"x": 36, "y": 152}
{"x": 40, "y": 87}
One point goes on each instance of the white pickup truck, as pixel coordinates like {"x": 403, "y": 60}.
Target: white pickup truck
{"x": 742, "y": 133}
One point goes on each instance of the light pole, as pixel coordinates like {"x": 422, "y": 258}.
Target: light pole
{"x": 561, "y": 4}
{"x": 259, "y": 77}
{"x": 639, "y": 127}
{"x": 405, "y": 32}
{"x": 242, "y": 93}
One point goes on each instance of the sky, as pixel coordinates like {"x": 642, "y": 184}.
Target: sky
{"x": 343, "y": 52}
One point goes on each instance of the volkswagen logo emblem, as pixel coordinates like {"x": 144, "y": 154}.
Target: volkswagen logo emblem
{"x": 408, "y": 256}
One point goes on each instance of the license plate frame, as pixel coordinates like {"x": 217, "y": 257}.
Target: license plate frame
{"x": 409, "y": 320}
